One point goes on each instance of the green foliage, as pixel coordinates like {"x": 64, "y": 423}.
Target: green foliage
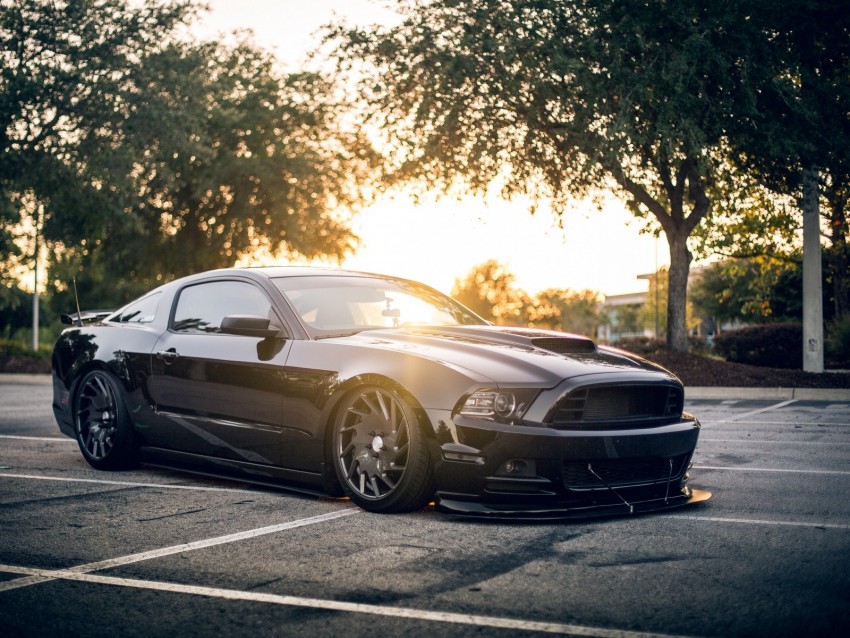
{"x": 567, "y": 310}
{"x": 748, "y": 290}
{"x": 799, "y": 66}
{"x": 627, "y": 319}
{"x": 141, "y": 156}
{"x": 837, "y": 350}
{"x": 771, "y": 345}
{"x": 753, "y": 222}
{"x": 648, "y": 346}
{"x": 757, "y": 290}
{"x": 557, "y": 99}
{"x": 642, "y": 345}
{"x": 18, "y": 348}
{"x": 489, "y": 289}
{"x": 799, "y": 89}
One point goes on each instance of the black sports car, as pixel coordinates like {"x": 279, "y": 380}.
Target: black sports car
{"x": 333, "y": 381}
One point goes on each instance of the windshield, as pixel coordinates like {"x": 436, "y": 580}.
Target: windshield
{"x": 330, "y": 305}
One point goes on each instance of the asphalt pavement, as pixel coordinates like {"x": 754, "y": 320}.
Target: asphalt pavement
{"x": 151, "y": 552}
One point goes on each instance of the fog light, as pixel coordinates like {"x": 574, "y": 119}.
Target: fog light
{"x": 516, "y": 466}
{"x": 519, "y": 468}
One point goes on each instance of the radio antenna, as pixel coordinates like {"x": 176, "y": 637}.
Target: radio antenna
{"x": 77, "y": 300}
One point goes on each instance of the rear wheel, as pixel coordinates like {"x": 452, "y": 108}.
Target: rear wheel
{"x": 380, "y": 452}
{"x": 103, "y": 428}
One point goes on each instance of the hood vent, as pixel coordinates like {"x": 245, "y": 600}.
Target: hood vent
{"x": 565, "y": 345}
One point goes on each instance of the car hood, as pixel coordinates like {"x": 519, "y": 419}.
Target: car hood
{"x": 518, "y": 356}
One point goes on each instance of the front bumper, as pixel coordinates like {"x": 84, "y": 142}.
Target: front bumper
{"x": 493, "y": 470}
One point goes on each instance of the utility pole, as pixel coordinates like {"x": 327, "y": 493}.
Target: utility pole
{"x": 35, "y": 284}
{"x": 812, "y": 269}
{"x": 657, "y": 296}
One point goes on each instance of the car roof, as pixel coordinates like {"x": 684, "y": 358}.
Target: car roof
{"x": 289, "y": 271}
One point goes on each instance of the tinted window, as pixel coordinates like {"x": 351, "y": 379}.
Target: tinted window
{"x": 200, "y": 308}
{"x": 140, "y": 311}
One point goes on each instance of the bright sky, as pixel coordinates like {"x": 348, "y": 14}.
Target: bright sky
{"x": 439, "y": 241}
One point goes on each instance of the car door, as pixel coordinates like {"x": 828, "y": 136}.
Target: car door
{"x": 221, "y": 394}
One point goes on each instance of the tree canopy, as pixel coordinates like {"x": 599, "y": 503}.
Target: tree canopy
{"x": 490, "y": 290}
{"x": 145, "y": 155}
{"x": 558, "y": 99}
{"x": 800, "y": 54}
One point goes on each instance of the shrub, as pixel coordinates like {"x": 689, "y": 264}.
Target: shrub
{"x": 837, "y": 347}
{"x": 778, "y": 345}
{"x": 640, "y": 345}
{"x": 646, "y": 346}
{"x": 13, "y": 348}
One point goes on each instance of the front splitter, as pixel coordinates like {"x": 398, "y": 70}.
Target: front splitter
{"x": 484, "y": 511}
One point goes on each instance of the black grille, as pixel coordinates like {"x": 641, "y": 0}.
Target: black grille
{"x": 622, "y": 472}
{"x": 611, "y": 407}
{"x": 565, "y": 345}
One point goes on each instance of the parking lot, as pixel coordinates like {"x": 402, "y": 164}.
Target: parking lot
{"x": 152, "y": 552}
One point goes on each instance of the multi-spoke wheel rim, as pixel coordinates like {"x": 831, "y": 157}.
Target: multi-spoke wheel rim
{"x": 373, "y": 443}
{"x": 97, "y": 417}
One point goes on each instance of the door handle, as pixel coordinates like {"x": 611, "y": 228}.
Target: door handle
{"x": 168, "y": 355}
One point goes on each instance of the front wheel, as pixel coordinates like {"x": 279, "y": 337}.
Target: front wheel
{"x": 380, "y": 452}
{"x": 103, "y": 428}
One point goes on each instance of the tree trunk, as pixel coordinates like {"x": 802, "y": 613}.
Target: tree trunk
{"x": 677, "y": 293}
{"x": 684, "y": 185}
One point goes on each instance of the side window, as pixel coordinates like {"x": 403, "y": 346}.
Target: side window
{"x": 200, "y": 308}
{"x": 141, "y": 311}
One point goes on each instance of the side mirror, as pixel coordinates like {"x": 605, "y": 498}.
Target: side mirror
{"x": 250, "y": 326}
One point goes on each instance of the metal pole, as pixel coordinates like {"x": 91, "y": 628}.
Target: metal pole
{"x": 35, "y": 287}
{"x": 657, "y": 296}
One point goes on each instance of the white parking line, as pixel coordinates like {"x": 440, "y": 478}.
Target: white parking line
{"x": 771, "y": 469}
{"x": 36, "y": 578}
{"x": 211, "y": 542}
{"x": 738, "y": 417}
{"x": 167, "y": 486}
{"x": 336, "y": 605}
{"x": 760, "y": 441}
{"x": 83, "y": 573}
{"x": 818, "y": 424}
{"x": 57, "y": 439}
{"x": 751, "y": 521}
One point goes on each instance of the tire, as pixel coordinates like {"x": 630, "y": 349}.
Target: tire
{"x": 380, "y": 452}
{"x": 103, "y": 428}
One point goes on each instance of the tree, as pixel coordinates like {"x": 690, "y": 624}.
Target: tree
{"x": 558, "y": 99}
{"x": 238, "y": 158}
{"x": 626, "y": 320}
{"x": 757, "y": 290}
{"x": 488, "y": 290}
{"x": 653, "y": 311}
{"x": 143, "y": 156}
{"x": 64, "y": 66}
{"x": 798, "y": 139}
{"x": 567, "y": 310}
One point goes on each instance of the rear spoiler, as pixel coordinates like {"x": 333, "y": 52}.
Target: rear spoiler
{"x": 86, "y": 316}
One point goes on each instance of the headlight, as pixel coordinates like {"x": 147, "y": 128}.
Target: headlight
{"x": 507, "y": 406}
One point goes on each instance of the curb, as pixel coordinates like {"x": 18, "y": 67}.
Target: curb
{"x": 25, "y": 379}
{"x": 691, "y": 392}
{"x": 768, "y": 394}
